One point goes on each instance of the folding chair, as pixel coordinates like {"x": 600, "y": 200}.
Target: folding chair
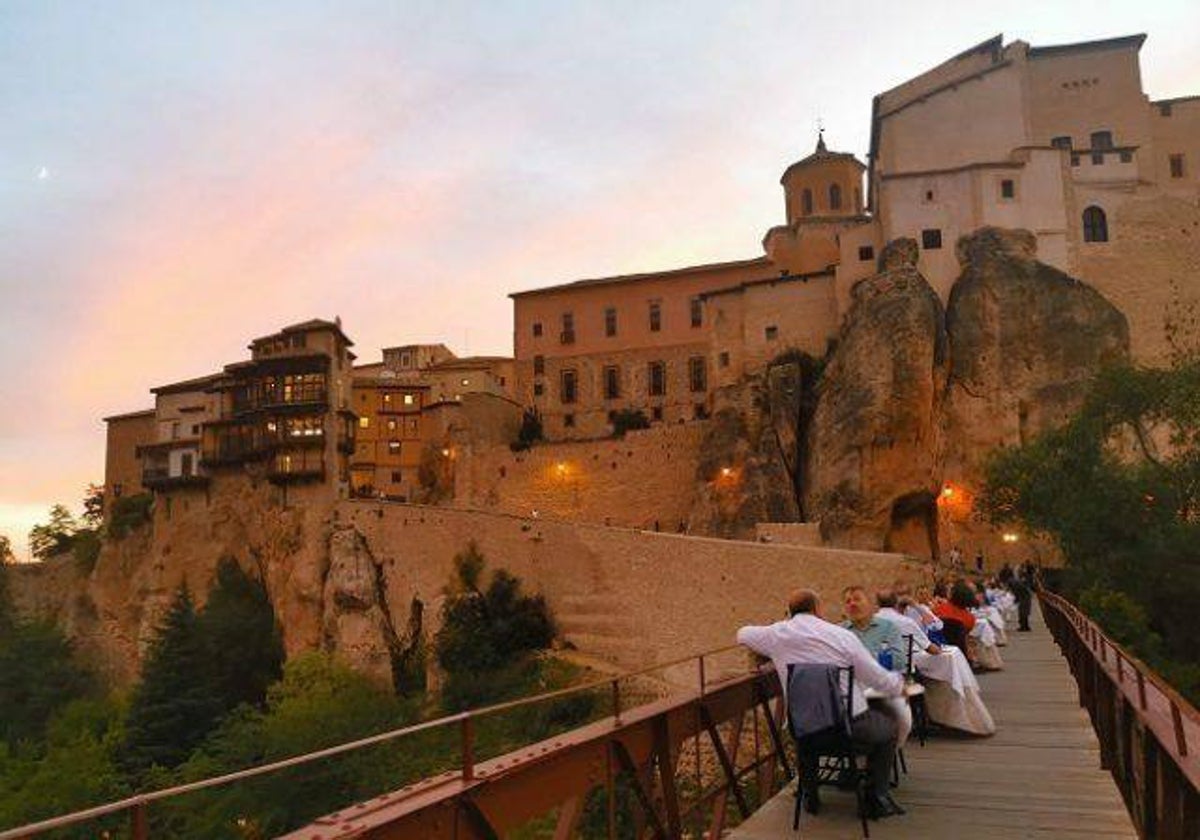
{"x": 830, "y": 753}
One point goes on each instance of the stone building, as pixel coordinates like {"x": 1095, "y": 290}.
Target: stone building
{"x": 387, "y": 451}
{"x": 1061, "y": 141}
{"x": 125, "y": 434}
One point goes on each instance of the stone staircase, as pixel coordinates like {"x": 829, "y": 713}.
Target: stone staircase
{"x": 597, "y": 627}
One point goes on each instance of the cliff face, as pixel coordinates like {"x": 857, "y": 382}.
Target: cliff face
{"x": 914, "y": 398}
{"x": 874, "y": 437}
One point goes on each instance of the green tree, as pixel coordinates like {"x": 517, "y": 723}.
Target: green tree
{"x": 244, "y": 641}
{"x": 37, "y": 676}
{"x": 1118, "y": 489}
{"x": 173, "y": 705}
{"x": 6, "y": 609}
{"x": 75, "y": 768}
{"x": 488, "y": 634}
{"x": 55, "y": 536}
{"x": 93, "y": 506}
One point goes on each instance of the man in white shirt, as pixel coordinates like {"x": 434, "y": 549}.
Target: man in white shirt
{"x": 807, "y": 639}
{"x": 888, "y": 602}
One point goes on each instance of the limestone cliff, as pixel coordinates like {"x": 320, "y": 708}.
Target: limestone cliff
{"x": 873, "y": 441}
{"x": 914, "y": 398}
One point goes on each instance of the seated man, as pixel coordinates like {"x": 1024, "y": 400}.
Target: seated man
{"x": 880, "y": 637}
{"x": 889, "y": 610}
{"x": 807, "y": 639}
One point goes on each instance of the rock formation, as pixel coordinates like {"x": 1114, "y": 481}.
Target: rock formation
{"x": 873, "y": 440}
{"x": 914, "y": 399}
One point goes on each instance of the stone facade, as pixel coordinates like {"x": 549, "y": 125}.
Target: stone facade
{"x": 643, "y": 480}
{"x": 124, "y": 434}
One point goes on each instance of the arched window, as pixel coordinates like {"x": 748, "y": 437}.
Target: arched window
{"x": 835, "y": 197}
{"x": 1095, "y": 225}
{"x": 806, "y": 202}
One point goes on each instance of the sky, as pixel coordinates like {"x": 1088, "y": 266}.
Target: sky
{"x": 177, "y": 178}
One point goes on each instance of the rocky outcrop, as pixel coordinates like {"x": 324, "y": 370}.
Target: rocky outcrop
{"x": 914, "y": 399}
{"x": 873, "y": 438}
{"x": 1025, "y": 341}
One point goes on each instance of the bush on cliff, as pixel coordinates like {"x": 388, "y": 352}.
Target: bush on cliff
{"x": 128, "y": 514}
{"x": 530, "y": 432}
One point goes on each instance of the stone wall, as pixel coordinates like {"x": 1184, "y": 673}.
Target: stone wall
{"x": 631, "y": 597}
{"x": 647, "y": 476}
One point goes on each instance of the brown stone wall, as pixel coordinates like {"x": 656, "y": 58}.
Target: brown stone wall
{"x": 629, "y": 596}
{"x": 647, "y": 476}
{"x": 122, "y": 466}
{"x": 590, "y": 409}
{"x": 1149, "y": 268}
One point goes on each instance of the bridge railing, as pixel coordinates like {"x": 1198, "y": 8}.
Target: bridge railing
{"x": 1149, "y": 735}
{"x": 698, "y": 714}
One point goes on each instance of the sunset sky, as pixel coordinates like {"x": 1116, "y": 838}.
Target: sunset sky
{"x": 176, "y": 178}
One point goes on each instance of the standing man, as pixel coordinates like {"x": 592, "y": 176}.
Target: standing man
{"x": 805, "y": 638}
{"x": 1019, "y": 587}
{"x": 979, "y": 562}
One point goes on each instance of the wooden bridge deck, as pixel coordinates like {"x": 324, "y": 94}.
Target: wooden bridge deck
{"x": 1039, "y": 776}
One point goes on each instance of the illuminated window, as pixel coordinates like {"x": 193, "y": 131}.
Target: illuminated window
{"x": 394, "y": 447}
{"x": 410, "y": 399}
{"x": 391, "y": 424}
{"x": 364, "y": 422}
{"x": 464, "y": 382}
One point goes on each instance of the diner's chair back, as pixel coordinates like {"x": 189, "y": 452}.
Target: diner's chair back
{"x": 910, "y": 642}
{"x": 815, "y": 703}
{"x": 955, "y": 633}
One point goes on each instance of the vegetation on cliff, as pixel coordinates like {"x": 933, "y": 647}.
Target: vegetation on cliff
{"x": 213, "y": 698}
{"x": 1118, "y": 488}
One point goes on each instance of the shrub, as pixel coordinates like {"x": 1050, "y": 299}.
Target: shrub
{"x": 530, "y": 432}
{"x": 628, "y": 419}
{"x": 129, "y": 513}
{"x": 86, "y": 548}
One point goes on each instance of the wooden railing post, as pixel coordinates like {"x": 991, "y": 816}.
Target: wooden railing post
{"x": 468, "y": 748}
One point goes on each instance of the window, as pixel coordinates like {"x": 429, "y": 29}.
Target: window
{"x": 1164, "y": 109}
{"x": 1097, "y": 158}
{"x": 1008, "y": 188}
{"x": 696, "y": 308}
{"x": 1176, "y": 166}
{"x": 397, "y": 477}
{"x": 1126, "y": 157}
{"x": 185, "y": 463}
{"x": 700, "y": 411}
{"x": 405, "y": 360}
{"x": 391, "y": 424}
{"x": 394, "y": 447}
{"x": 174, "y": 431}
{"x": 697, "y": 374}
{"x": 537, "y": 329}
{"x": 835, "y": 197}
{"x": 1102, "y": 140}
{"x": 928, "y": 196}
{"x": 410, "y": 399}
{"x": 364, "y": 422}
{"x": 655, "y": 317}
{"x": 568, "y": 328}
{"x": 931, "y": 239}
{"x": 656, "y": 413}
{"x": 612, "y": 382}
{"x": 610, "y": 321}
{"x": 771, "y": 333}
{"x": 658, "y": 379}
{"x": 569, "y": 421}
{"x": 567, "y": 386}
{"x": 1074, "y": 160}
{"x": 806, "y": 202}
{"x": 1061, "y": 142}
{"x": 1095, "y": 225}
{"x": 538, "y": 389}
{"x": 723, "y": 359}
{"x": 866, "y": 253}
{"x": 539, "y": 365}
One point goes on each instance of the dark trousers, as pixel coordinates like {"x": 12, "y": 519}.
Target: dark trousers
{"x": 873, "y": 734}
{"x": 1023, "y": 607}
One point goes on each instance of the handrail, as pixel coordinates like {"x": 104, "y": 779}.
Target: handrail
{"x": 141, "y": 800}
{"x": 1142, "y": 724}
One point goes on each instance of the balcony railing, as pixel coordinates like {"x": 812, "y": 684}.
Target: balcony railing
{"x": 160, "y": 478}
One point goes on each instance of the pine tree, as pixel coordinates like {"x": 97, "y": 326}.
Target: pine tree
{"x": 244, "y": 640}
{"x": 174, "y": 705}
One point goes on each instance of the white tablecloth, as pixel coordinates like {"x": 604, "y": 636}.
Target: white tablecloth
{"x": 952, "y": 695}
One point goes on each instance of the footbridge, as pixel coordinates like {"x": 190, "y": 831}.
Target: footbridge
{"x": 1090, "y": 743}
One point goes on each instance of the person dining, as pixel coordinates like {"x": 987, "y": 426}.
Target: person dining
{"x": 805, "y": 638}
{"x": 882, "y": 639}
